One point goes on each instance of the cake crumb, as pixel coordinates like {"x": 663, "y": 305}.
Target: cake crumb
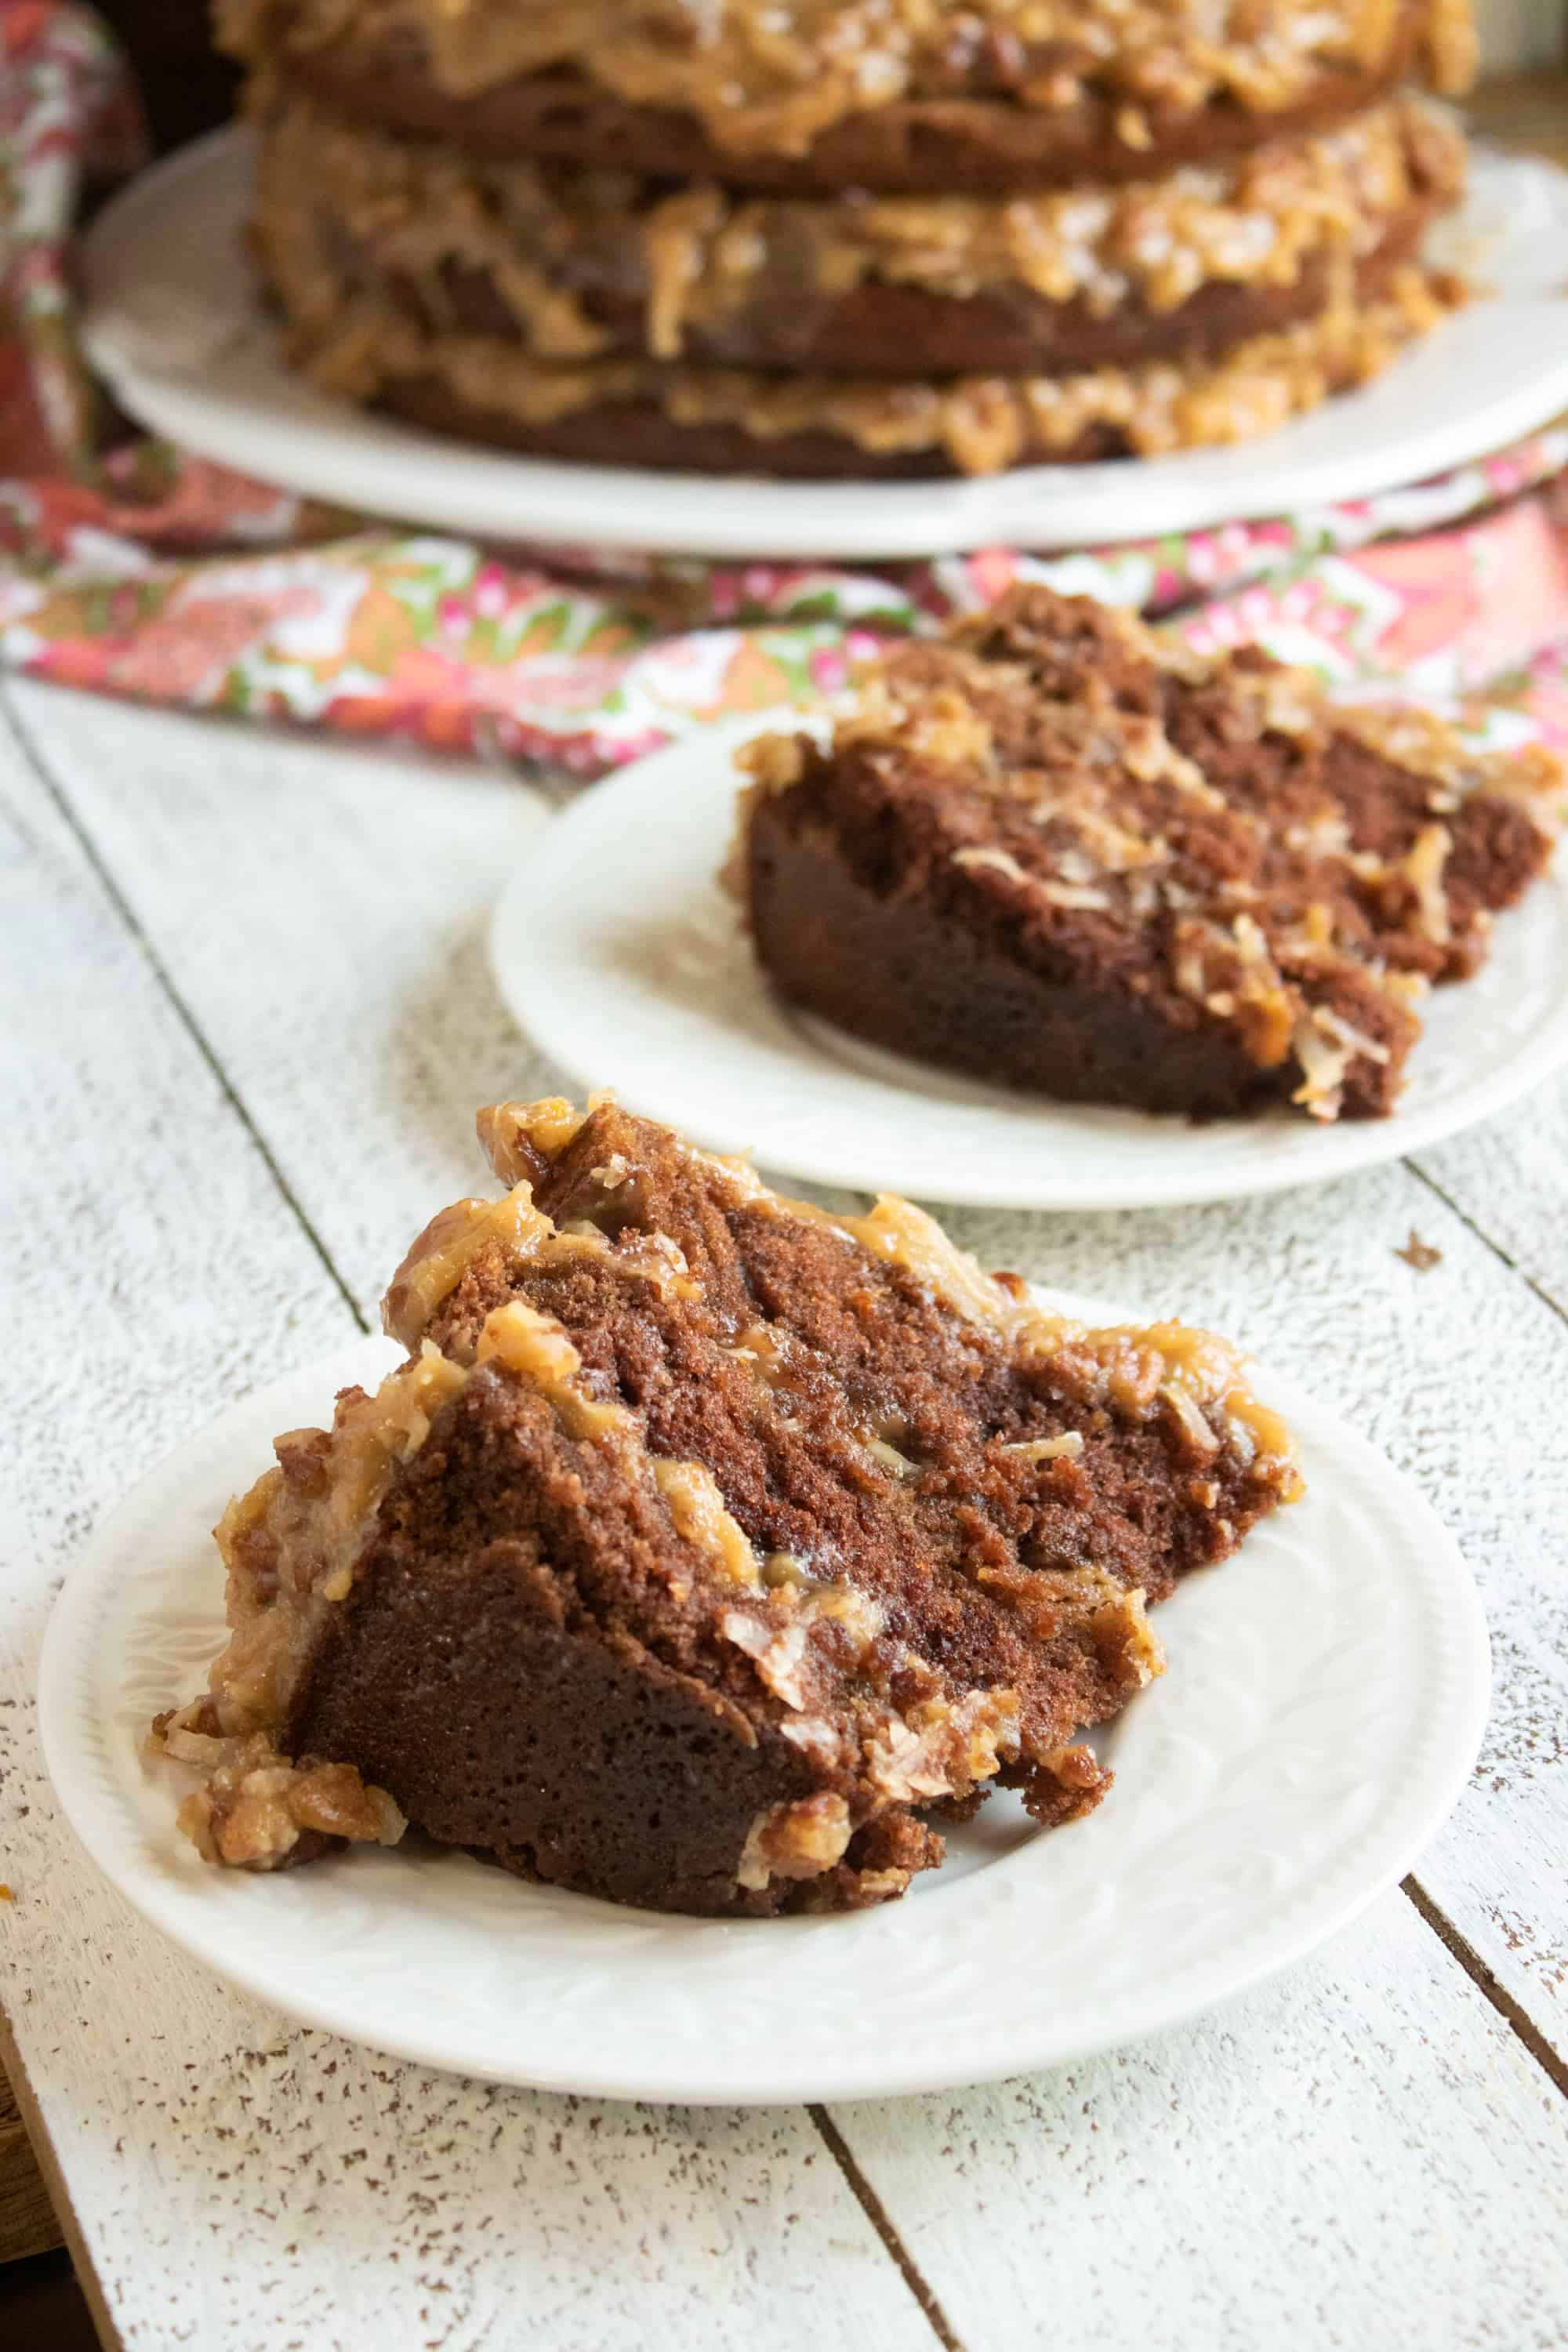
{"x": 8, "y": 1894}
{"x": 1419, "y": 1253}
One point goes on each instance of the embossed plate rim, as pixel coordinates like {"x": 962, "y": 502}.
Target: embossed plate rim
{"x": 504, "y": 1935}
{"x": 586, "y": 946}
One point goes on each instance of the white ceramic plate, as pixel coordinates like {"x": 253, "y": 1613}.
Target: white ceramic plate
{"x": 618, "y": 953}
{"x": 1325, "y": 1699}
{"x": 175, "y": 323}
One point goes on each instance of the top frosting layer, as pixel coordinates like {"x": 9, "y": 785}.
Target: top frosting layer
{"x": 774, "y": 74}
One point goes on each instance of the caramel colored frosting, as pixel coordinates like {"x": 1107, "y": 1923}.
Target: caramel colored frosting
{"x": 1131, "y": 1369}
{"x": 774, "y": 74}
{"x": 357, "y": 341}
{"x": 544, "y": 240}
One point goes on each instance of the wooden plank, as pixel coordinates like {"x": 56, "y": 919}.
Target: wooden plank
{"x": 348, "y": 995}
{"x": 1449, "y": 1371}
{"x": 28, "y": 2223}
{"x": 1332, "y": 2163}
{"x": 90, "y": 2285}
{"x": 232, "y": 2179}
{"x": 324, "y": 911}
{"x": 159, "y": 1269}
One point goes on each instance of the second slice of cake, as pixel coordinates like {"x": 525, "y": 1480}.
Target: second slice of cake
{"x": 1060, "y": 849}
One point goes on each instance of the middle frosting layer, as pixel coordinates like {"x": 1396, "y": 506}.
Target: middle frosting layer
{"x": 579, "y": 265}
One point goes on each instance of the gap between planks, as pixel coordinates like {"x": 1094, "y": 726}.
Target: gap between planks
{"x": 1555, "y": 1305}
{"x": 1461, "y": 1949}
{"x": 27, "y": 749}
{"x": 28, "y": 2223}
{"x": 1434, "y": 1918}
{"x": 877, "y": 2213}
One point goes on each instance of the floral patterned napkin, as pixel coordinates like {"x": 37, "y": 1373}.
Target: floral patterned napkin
{"x": 128, "y": 566}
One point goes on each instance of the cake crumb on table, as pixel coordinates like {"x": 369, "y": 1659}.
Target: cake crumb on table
{"x": 1419, "y": 1253}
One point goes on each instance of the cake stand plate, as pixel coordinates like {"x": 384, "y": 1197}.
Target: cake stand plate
{"x": 1324, "y": 1702}
{"x": 175, "y": 323}
{"x": 618, "y": 952}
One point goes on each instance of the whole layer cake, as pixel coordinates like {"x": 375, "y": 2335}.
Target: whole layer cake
{"x": 1060, "y": 848}
{"x": 709, "y": 1551}
{"x": 769, "y": 311}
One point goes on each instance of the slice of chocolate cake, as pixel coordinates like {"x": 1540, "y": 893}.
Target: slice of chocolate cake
{"x": 1059, "y": 849}
{"x": 709, "y": 1549}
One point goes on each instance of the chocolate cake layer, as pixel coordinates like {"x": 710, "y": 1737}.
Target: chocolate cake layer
{"x": 628, "y": 411}
{"x": 572, "y": 265}
{"x": 923, "y": 146}
{"x": 1059, "y": 849}
{"x": 709, "y": 1548}
{"x": 829, "y": 94}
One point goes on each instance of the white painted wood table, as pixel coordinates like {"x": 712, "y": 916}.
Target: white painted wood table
{"x": 246, "y": 1022}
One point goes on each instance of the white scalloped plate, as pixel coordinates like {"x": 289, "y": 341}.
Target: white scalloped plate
{"x": 619, "y": 954}
{"x": 175, "y": 323}
{"x": 1324, "y": 1702}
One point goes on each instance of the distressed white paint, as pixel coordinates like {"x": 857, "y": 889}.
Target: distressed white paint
{"x": 1510, "y": 1177}
{"x": 1367, "y": 2127}
{"x": 1326, "y": 2167}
